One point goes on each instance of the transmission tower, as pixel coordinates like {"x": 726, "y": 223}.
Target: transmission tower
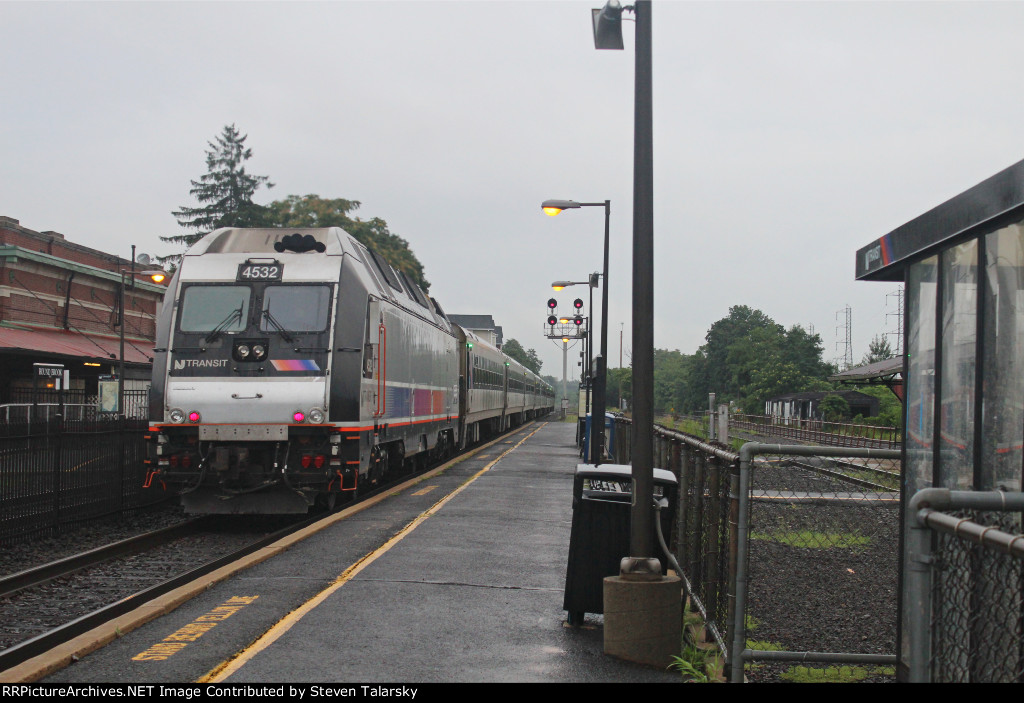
{"x": 899, "y": 319}
{"x": 846, "y": 360}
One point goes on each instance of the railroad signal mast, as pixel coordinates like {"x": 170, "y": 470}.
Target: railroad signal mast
{"x": 564, "y": 329}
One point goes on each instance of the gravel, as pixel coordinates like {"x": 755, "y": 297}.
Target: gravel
{"x": 822, "y": 578}
{"x": 36, "y": 610}
{"x": 42, "y": 549}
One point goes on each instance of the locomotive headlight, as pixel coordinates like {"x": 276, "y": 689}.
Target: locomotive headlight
{"x": 259, "y": 351}
{"x": 243, "y": 351}
{"x": 177, "y": 416}
{"x": 316, "y": 416}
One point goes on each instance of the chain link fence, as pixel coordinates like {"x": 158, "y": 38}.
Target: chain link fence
{"x": 965, "y": 582}
{"x": 817, "y": 569}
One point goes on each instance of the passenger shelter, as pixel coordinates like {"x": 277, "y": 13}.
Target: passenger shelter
{"x": 962, "y": 264}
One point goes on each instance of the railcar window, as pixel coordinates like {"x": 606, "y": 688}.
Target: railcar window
{"x": 204, "y": 308}
{"x": 296, "y": 308}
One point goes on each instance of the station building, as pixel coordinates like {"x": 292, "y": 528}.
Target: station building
{"x": 59, "y": 304}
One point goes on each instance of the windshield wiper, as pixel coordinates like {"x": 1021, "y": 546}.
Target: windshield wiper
{"x": 270, "y": 318}
{"x": 233, "y": 316}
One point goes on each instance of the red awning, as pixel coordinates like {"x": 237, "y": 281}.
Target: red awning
{"x": 76, "y": 344}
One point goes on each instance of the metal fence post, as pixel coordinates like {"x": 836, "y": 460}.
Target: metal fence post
{"x": 739, "y": 631}
{"x": 919, "y": 595}
{"x": 711, "y": 531}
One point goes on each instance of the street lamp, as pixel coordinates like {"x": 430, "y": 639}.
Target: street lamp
{"x": 552, "y": 208}
{"x": 608, "y": 35}
{"x": 639, "y": 573}
{"x": 156, "y": 276}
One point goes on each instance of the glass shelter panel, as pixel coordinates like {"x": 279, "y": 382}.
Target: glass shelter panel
{"x": 920, "y": 397}
{"x": 959, "y": 344}
{"x": 1003, "y": 383}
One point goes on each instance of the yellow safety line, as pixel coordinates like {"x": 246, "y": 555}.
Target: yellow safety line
{"x": 225, "y": 669}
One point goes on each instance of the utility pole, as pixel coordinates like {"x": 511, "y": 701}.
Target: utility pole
{"x": 899, "y": 318}
{"x": 847, "y": 358}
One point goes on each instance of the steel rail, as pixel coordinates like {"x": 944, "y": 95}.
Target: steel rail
{"x": 44, "y": 642}
{"x": 44, "y": 573}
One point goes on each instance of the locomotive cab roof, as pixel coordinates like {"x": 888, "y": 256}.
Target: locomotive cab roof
{"x": 235, "y": 240}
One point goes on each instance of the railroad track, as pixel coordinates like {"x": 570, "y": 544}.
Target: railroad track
{"x": 60, "y": 577}
{"x": 840, "y": 475}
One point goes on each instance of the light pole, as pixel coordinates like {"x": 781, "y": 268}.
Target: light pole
{"x": 640, "y": 584}
{"x": 553, "y": 207}
{"x": 157, "y": 276}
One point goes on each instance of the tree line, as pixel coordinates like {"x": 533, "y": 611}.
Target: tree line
{"x": 225, "y": 193}
{"x": 746, "y": 359}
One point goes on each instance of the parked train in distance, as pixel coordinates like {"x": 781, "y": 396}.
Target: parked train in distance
{"x": 295, "y": 366}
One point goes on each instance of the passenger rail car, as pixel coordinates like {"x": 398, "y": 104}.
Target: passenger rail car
{"x": 296, "y": 366}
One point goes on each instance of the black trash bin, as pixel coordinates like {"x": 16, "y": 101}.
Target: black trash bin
{"x": 601, "y": 509}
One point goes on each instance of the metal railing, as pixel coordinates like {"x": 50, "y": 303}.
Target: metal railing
{"x": 965, "y": 587}
{"x": 702, "y": 539}
{"x": 817, "y": 557}
{"x": 834, "y": 434}
{"x": 56, "y": 471}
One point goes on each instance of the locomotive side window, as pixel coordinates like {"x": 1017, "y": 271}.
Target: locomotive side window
{"x": 296, "y": 308}
{"x": 385, "y": 270}
{"x": 205, "y": 308}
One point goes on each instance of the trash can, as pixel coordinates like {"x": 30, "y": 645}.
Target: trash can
{"x": 601, "y": 513}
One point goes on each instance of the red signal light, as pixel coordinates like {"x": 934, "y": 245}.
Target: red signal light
{"x": 578, "y": 303}
{"x": 552, "y": 320}
{"x": 577, "y": 320}
{"x": 552, "y": 303}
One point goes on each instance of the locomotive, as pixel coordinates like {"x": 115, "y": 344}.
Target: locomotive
{"x": 296, "y": 366}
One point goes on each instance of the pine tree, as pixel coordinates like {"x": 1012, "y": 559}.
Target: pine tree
{"x": 225, "y": 190}
{"x": 878, "y": 350}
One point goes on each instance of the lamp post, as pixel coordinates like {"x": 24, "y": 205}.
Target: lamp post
{"x": 157, "y": 276}
{"x": 640, "y": 584}
{"x": 554, "y": 207}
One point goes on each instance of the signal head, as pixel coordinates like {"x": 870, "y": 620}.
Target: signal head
{"x": 552, "y": 320}
{"x": 578, "y": 303}
{"x": 578, "y": 320}
{"x": 552, "y": 303}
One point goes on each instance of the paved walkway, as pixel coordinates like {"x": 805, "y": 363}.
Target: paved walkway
{"x": 458, "y": 578}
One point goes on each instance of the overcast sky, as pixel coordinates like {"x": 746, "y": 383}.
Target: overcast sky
{"x": 786, "y": 136}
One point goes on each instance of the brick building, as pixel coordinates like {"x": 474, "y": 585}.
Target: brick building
{"x": 59, "y": 304}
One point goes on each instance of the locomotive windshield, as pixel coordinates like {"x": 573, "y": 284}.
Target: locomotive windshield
{"x": 206, "y": 308}
{"x": 295, "y": 308}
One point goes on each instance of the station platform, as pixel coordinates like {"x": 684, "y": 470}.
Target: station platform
{"x": 454, "y": 577}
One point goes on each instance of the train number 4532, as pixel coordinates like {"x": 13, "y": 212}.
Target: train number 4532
{"x": 260, "y": 272}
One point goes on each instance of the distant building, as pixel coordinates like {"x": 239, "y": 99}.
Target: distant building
{"x": 482, "y": 326}
{"x": 806, "y": 406}
{"x": 59, "y": 304}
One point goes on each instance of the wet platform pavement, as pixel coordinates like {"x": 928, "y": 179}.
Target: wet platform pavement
{"x": 457, "y": 577}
